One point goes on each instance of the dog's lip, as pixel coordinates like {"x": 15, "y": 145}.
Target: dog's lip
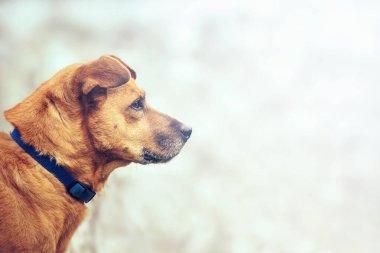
{"x": 151, "y": 157}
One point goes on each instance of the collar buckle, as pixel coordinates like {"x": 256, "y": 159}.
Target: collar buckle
{"x": 81, "y": 192}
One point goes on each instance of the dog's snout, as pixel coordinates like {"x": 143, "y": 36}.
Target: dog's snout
{"x": 186, "y": 132}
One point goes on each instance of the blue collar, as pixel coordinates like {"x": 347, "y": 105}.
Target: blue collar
{"x": 76, "y": 189}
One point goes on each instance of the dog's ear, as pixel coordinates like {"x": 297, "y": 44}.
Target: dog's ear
{"x": 133, "y": 73}
{"x": 106, "y": 72}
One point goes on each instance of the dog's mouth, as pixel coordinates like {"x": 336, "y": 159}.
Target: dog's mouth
{"x": 151, "y": 157}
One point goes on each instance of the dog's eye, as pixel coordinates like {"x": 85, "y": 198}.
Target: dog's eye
{"x": 137, "y": 105}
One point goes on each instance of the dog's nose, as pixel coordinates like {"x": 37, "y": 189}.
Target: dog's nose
{"x": 186, "y": 132}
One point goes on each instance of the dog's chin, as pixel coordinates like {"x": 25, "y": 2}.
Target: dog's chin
{"x": 148, "y": 157}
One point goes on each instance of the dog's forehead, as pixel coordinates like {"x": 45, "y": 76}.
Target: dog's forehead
{"x": 132, "y": 89}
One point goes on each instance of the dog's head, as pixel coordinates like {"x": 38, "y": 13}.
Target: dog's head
{"x": 119, "y": 120}
{"x": 99, "y": 104}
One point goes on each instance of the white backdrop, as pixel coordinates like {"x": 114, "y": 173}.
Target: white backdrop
{"x": 283, "y": 98}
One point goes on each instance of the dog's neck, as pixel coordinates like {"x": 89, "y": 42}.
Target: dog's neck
{"x": 62, "y": 134}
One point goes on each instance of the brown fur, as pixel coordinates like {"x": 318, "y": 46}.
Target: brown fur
{"x": 84, "y": 118}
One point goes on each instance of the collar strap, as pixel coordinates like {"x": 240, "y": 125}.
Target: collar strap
{"x": 76, "y": 189}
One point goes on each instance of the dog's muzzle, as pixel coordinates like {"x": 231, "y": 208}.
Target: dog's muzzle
{"x": 170, "y": 146}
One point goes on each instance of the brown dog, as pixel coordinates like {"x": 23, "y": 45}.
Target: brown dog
{"x": 91, "y": 118}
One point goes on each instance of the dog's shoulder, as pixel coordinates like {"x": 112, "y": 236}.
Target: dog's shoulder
{"x": 26, "y": 192}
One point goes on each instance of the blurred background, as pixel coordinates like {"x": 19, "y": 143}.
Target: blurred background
{"x": 284, "y": 101}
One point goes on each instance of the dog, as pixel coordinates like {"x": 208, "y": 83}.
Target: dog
{"x": 84, "y": 122}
